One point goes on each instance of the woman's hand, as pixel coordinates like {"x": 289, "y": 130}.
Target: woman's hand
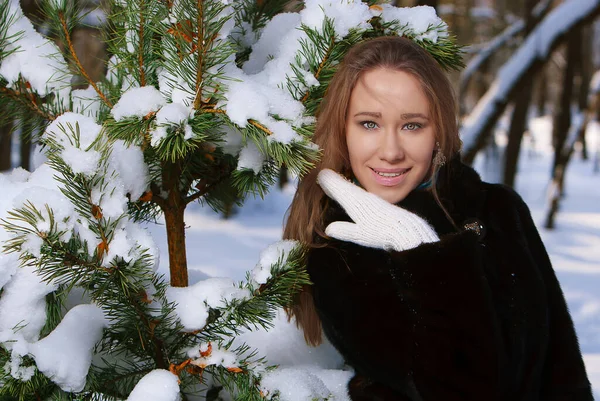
{"x": 377, "y": 223}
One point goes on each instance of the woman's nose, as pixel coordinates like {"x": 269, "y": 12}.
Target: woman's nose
{"x": 390, "y": 147}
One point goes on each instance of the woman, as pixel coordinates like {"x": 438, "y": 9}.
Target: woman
{"x": 432, "y": 284}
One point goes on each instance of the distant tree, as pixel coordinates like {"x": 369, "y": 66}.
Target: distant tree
{"x": 569, "y": 124}
{"x": 518, "y": 123}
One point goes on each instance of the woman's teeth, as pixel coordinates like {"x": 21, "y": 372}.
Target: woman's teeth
{"x": 390, "y": 174}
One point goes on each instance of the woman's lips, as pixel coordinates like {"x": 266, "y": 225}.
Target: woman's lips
{"x": 389, "y": 180}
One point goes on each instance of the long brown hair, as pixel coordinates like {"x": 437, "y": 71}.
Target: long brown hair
{"x": 305, "y": 221}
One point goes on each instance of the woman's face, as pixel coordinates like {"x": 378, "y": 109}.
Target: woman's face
{"x": 390, "y": 133}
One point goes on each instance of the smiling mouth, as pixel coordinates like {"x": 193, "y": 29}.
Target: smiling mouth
{"x": 391, "y": 174}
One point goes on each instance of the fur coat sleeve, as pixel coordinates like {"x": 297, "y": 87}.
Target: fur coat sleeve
{"x": 408, "y": 320}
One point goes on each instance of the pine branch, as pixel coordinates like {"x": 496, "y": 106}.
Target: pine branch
{"x": 250, "y": 121}
{"x": 200, "y": 48}
{"x": 73, "y": 54}
{"x": 204, "y": 187}
{"x": 213, "y": 111}
{"x": 28, "y": 100}
{"x": 321, "y": 66}
{"x": 260, "y": 127}
{"x": 141, "y": 46}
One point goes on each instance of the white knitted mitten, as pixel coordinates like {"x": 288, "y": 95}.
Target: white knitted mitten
{"x": 377, "y": 223}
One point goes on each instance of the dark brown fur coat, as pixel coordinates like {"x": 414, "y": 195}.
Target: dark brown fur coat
{"x": 471, "y": 317}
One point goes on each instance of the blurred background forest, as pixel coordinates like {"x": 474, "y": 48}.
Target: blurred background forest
{"x": 501, "y": 88}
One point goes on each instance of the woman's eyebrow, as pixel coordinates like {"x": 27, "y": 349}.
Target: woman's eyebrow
{"x": 368, "y": 113}
{"x": 408, "y": 116}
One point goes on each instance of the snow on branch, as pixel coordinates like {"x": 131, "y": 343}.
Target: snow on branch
{"x": 496, "y": 43}
{"x": 530, "y": 55}
{"x": 158, "y": 385}
{"x": 65, "y": 355}
{"x": 33, "y": 58}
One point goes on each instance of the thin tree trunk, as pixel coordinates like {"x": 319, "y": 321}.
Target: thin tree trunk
{"x": 562, "y": 119}
{"x": 174, "y": 220}
{"x": 542, "y": 93}
{"x": 5, "y": 147}
{"x": 585, "y": 73}
{"x": 283, "y": 176}
{"x": 174, "y": 209}
{"x": 562, "y": 122}
{"x": 520, "y": 113}
{"x": 27, "y": 136}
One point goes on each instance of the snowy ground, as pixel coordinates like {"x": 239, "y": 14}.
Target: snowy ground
{"x": 218, "y": 247}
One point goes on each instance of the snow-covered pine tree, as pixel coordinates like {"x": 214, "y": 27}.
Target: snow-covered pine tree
{"x": 203, "y": 101}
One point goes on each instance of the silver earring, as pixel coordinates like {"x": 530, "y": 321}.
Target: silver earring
{"x": 439, "y": 159}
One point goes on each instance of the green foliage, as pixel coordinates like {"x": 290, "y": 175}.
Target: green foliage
{"x": 34, "y": 389}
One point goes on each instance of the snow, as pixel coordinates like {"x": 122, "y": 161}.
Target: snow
{"x": 8, "y": 267}
{"x": 158, "y": 385}
{"x": 138, "y": 102}
{"x": 345, "y": 14}
{"x": 293, "y": 351}
{"x": 65, "y": 355}
{"x": 128, "y": 162}
{"x": 536, "y": 46}
{"x": 420, "y": 21}
{"x": 35, "y": 59}
{"x": 171, "y": 115}
{"x": 251, "y": 99}
{"x": 86, "y": 102}
{"x": 269, "y": 42}
{"x": 251, "y": 158}
{"x": 174, "y": 87}
{"x": 271, "y": 255}
{"x": 232, "y": 141}
{"x": 23, "y": 305}
{"x": 194, "y": 302}
{"x": 294, "y": 384}
{"x": 18, "y": 349}
{"x": 76, "y": 133}
{"x": 209, "y": 354}
{"x": 63, "y": 128}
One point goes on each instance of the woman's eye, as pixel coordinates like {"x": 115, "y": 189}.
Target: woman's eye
{"x": 412, "y": 126}
{"x": 370, "y": 125}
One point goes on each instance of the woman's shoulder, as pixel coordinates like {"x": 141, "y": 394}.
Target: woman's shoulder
{"x": 465, "y": 185}
{"x": 502, "y": 196}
